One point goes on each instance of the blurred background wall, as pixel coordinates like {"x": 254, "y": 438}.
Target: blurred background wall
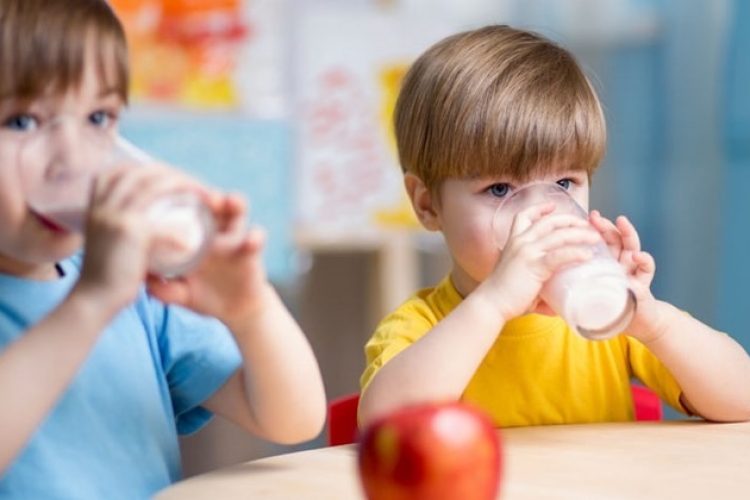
{"x": 289, "y": 101}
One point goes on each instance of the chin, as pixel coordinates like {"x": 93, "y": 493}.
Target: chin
{"x": 56, "y": 251}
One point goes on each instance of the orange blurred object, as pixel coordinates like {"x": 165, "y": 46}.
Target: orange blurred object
{"x": 140, "y": 18}
{"x": 185, "y": 7}
{"x": 184, "y": 51}
{"x": 198, "y": 21}
{"x": 131, "y": 5}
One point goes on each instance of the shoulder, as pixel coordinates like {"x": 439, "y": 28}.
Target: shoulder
{"x": 409, "y": 322}
{"x": 420, "y": 312}
{"x": 436, "y": 302}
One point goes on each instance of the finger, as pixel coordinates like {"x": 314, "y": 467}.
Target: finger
{"x": 554, "y": 222}
{"x": 231, "y": 229}
{"x": 214, "y": 200}
{"x": 568, "y": 236}
{"x": 646, "y": 266}
{"x": 630, "y": 239}
{"x": 608, "y": 230}
{"x": 564, "y": 256}
{"x": 245, "y": 242}
{"x": 231, "y": 214}
{"x": 256, "y": 238}
{"x": 528, "y": 216}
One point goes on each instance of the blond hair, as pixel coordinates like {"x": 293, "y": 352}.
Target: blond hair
{"x": 43, "y": 46}
{"x": 497, "y": 101}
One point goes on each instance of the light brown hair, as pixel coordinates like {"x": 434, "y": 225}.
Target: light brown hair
{"x": 497, "y": 101}
{"x": 43, "y": 46}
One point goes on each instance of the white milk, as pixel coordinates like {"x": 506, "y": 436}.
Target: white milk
{"x": 180, "y": 235}
{"x": 71, "y": 218}
{"x": 593, "y": 297}
{"x": 179, "y": 224}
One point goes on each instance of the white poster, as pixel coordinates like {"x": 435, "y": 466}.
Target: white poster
{"x": 348, "y": 67}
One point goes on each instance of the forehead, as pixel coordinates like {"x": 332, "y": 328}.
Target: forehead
{"x": 93, "y": 85}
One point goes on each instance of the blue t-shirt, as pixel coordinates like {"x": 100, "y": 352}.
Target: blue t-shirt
{"x": 113, "y": 433}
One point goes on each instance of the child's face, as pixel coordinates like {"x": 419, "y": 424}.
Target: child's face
{"x": 29, "y": 246}
{"x": 466, "y": 212}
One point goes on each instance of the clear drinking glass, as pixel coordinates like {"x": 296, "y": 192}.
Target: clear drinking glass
{"x": 58, "y": 162}
{"x": 594, "y": 297}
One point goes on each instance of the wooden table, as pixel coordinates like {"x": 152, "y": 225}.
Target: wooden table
{"x": 635, "y": 460}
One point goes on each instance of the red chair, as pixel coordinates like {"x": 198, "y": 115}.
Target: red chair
{"x": 646, "y": 403}
{"x": 342, "y": 413}
{"x": 342, "y": 420}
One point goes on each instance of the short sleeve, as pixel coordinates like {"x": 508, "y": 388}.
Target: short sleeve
{"x": 648, "y": 369}
{"x": 394, "y": 334}
{"x": 198, "y": 356}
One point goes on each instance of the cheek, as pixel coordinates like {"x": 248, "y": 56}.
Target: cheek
{"x": 469, "y": 229}
{"x": 581, "y": 196}
{"x": 501, "y": 230}
{"x": 472, "y": 244}
{"x": 11, "y": 192}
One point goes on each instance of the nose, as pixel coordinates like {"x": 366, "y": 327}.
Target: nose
{"x": 541, "y": 192}
{"x": 57, "y": 161}
{"x": 61, "y": 143}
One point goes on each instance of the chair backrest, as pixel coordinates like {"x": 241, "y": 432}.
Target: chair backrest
{"x": 342, "y": 420}
{"x": 342, "y": 413}
{"x": 646, "y": 403}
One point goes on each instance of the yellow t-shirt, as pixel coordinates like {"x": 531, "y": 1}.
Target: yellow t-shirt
{"x": 539, "y": 371}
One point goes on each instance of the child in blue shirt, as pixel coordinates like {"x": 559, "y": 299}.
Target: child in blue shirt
{"x": 99, "y": 373}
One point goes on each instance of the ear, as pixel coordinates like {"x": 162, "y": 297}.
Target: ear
{"x": 423, "y": 202}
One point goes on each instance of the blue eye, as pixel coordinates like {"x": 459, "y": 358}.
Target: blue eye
{"x": 21, "y": 123}
{"x": 564, "y": 183}
{"x": 499, "y": 190}
{"x": 101, "y": 119}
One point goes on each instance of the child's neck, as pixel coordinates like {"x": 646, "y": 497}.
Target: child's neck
{"x": 47, "y": 272}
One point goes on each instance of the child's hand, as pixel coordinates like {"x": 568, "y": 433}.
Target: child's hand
{"x": 625, "y": 245}
{"x": 540, "y": 242}
{"x": 230, "y": 283}
{"x": 116, "y": 246}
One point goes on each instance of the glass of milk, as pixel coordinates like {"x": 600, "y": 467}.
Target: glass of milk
{"x": 594, "y": 297}
{"x": 58, "y": 162}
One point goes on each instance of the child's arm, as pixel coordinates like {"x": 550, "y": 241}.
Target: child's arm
{"x": 36, "y": 369}
{"x": 278, "y": 394}
{"x": 284, "y": 399}
{"x": 712, "y": 369}
{"x": 442, "y": 362}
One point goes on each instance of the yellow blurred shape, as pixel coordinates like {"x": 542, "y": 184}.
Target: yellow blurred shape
{"x": 390, "y": 77}
{"x": 205, "y": 91}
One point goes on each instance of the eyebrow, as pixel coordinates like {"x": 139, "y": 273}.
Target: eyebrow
{"x": 106, "y": 92}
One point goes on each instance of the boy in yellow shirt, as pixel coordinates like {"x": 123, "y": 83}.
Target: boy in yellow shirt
{"x": 480, "y": 115}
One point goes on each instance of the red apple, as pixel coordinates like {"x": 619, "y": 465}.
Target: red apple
{"x": 435, "y": 451}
